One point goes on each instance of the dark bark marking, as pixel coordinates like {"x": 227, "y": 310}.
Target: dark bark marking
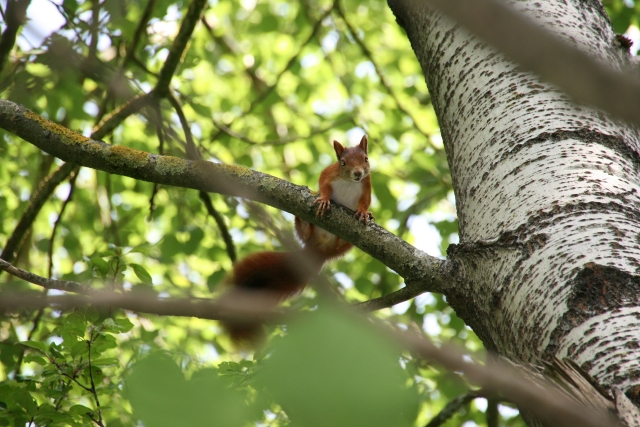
{"x": 615, "y": 143}
{"x": 595, "y": 290}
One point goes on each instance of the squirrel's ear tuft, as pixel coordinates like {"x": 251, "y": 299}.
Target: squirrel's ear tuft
{"x": 339, "y": 148}
{"x": 364, "y": 143}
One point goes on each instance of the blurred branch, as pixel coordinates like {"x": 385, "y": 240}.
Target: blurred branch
{"x": 60, "y": 285}
{"x": 585, "y": 79}
{"x": 142, "y": 25}
{"x": 240, "y": 307}
{"x": 452, "y": 407}
{"x": 231, "y": 46}
{"x": 179, "y": 45}
{"x": 222, "y": 226}
{"x": 94, "y": 28}
{"x": 548, "y": 401}
{"x": 160, "y": 134}
{"x": 293, "y": 59}
{"x": 389, "y": 300}
{"x": 118, "y": 116}
{"x": 282, "y": 141}
{"x": 14, "y": 17}
{"x": 493, "y": 416}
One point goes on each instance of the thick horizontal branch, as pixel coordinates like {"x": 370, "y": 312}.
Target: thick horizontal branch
{"x": 420, "y": 271}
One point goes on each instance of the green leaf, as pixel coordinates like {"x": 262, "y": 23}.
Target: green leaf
{"x": 100, "y": 264}
{"x": 80, "y": 410}
{"x": 160, "y": 396}
{"x": 123, "y": 324}
{"x": 30, "y": 358}
{"x": 106, "y": 361}
{"x": 142, "y": 274}
{"x": 215, "y": 279}
{"x": 24, "y": 399}
{"x": 333, "y": 369}
{"x": 35, "y": 344}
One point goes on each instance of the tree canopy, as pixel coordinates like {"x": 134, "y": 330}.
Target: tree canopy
{"x": 266, "y": 85}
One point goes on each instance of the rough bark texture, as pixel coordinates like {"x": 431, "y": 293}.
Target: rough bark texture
{"x": 547, "y": 195}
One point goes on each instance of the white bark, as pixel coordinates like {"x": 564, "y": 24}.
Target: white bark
{"x": 548, "y": 196}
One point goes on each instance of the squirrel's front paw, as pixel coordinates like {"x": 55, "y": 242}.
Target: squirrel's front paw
{"x": 364, "y": 216}
{"x": 323, "y": 206}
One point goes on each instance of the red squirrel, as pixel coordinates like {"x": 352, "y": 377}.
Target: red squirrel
{"x": 346, "y": 182}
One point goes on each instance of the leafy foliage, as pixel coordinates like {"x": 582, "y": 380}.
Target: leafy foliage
{"x": 266, "y": 85}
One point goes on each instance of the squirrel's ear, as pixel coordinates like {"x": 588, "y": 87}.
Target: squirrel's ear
{"x": 339, "y": 148}
{"x": 364, "y": 143}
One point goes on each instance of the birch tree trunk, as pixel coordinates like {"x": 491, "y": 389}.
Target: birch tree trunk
{"x": 547, "y": 196}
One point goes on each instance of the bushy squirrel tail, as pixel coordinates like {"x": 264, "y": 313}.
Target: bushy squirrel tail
{"x": 277, "y": 275}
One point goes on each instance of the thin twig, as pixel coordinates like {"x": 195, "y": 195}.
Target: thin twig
{"x": 93, "y": 385}
{"x": 222, "y": 226}
{"x": 16, "y": 16}
{"x": 144, "y": 20}
{"x": 452, "y": 407}
{"x": 160, "y": 134}
{"x": 194, "y": 154}
{"x": 179, "y": 45}
{"x": 38, "y": 200}
{"x": 389, "y": 300}
{"x": 493, "y": 416}
{"x": 72, "y": 186}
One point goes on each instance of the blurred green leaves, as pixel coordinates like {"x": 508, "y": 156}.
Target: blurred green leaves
{"x": 335, "y": 369}
{"x": 160, "y": 396}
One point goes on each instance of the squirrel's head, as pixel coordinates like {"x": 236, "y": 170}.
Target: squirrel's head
{"x": 353, "y": 161}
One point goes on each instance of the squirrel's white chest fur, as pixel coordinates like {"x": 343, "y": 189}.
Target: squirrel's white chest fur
{"x": 346, "y": 193}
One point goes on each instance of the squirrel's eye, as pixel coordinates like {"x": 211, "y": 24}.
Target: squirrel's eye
{"x": 343, "y": 163}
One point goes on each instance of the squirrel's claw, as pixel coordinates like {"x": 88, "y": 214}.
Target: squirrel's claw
{"x": 323, "y": 206}
{"x": 364, "y": 216}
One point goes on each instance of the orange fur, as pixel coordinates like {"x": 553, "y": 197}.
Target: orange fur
{"x": 286, "y": 273}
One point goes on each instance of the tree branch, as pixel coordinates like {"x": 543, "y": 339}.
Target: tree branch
{"x": 179, "y": 45}
{"x": 452, "y": 407}
{"x": 389, "y": 300}
{"x": 15, "y": 16}
{"x": 35, "y": 204}
{"x": 416, "y": 267}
